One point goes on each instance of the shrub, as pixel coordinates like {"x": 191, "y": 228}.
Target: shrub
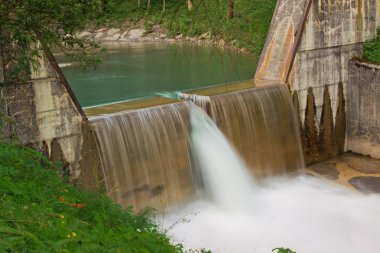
{"x": 371, "y": 49}
{"x": 39, "y": 212}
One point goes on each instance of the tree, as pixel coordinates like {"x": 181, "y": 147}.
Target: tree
{"x": 53, "y": 23}
{"x": 230, "y": 9}
{"x": 103, "y": 5}
{"x": 189, "y": 4}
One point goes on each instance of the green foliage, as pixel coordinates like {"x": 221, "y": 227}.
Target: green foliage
{"x": 247, "y": 30}
{"x": 283, "y": 250}
{"x": 39, "y": 212}
{"x": 52, "y": 22}
{"x": 371, "y": 49}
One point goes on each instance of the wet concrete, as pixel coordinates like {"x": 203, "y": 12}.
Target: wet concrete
{"x": 155, "y": 101}
{"x": 366, "y": 184}
{"x": 354, "y": 171}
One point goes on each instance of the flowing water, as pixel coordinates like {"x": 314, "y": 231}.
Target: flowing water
{"x": 222, "y": 181}
{"x": 131, "y": 71}
{"x": 238, "y": 214}
{"x": 146, "y": 153}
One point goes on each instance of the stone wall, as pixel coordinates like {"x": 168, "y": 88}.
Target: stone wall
{"x": 42, "y": 115}
{"x": 363, "y": 121}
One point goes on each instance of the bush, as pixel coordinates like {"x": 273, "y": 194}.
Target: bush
{"x": 39, "y": 212}
{"x": 371, "y": 49}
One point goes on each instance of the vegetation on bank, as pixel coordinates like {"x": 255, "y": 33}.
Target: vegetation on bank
{"x": 371, "y": 49}
{"x": 27, "y": 26}
{"x": 246, "y": 28}
{"x": 39, "y": 212}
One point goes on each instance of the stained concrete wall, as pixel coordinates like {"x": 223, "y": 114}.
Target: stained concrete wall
{"x": 282, "y": 41}
{"x": 43, "y": 116}
{"x": 334, "y": 33}
{"x": 363, "y": 121}
{"x": 318, "y": 45}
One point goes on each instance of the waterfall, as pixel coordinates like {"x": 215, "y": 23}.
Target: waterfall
{"x": 301, "y": 212}
{"x": 226, "y": 178}
{"x": 261, "y": 125}
{"x": 146, "y": 154}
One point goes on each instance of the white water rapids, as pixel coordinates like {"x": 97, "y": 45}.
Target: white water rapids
{"x": 236, "y": 214}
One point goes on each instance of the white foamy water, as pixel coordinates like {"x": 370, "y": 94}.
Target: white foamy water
{"x": 305, "y": 214}
{"x": 63, "y": 65}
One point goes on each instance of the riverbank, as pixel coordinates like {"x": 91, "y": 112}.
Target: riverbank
{"x": 206, "y": 22}
{"x": 40, "y": 212}
{"x": 134, "y": 34}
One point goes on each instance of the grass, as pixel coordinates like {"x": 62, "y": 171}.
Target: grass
{"x": 247, "y": 30}
{"x": 40, "y": 212}
{"x": 371, "y": 49}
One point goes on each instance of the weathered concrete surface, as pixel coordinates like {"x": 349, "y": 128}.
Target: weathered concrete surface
{"x": 333, "y": 34}
{"x": 351, "y": 170}
{"x": 43, "y": 115}
{"x": 316, "y": 64}
{"x": 317, "y": 68}
{"x": 281, "y": 42}
{"x": 363, "y": 125}
{"x": 56, "y": 116}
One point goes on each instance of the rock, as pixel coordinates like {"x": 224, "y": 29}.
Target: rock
{"x": 163, "y": 36}
{"x": 144, "y": 39}
{"x": 84, "y": 34}
{"x": 136, "y": 33}
{"x": 101, "y": 30}
{"x": 179, "y": 37}
{"x": 98, "y": 35}
{"x": 113, "y": 37}
{"x": 113, "y": 31}
{"x": 205, "y": 36}
{"x": 124, "y": 35}
{"x": 222, "y": 43}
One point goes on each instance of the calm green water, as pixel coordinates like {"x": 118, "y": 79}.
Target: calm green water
{"x": 139, "y": 70}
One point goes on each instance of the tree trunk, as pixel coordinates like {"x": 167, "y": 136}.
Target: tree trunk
{"x": 163, "y": 5}
{"x": 103, "y": 6}
{"x": 230, "y": 9}
{"x": 148, "y": 4}
{"x": 139, "y": 3}
{"x": 189, "y": 5}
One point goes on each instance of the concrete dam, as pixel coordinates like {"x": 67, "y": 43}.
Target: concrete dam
{"x": 311, "y": 109}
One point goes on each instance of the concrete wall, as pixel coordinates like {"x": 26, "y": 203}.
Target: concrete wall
{"x": 311, "y": 51}
{"x": 43, "y": 116}
{"x": 363, "y": 121}
{"x": 333, "y": 34}
{"x": 282, "y": 41}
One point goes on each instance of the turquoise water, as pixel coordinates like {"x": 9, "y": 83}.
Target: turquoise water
{"x": 131, "y": 71}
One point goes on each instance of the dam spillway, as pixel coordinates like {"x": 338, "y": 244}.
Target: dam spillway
{"x": 146, "y": 153}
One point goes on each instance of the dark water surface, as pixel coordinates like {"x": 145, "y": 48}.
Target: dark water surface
{"x": 131, "y": 71}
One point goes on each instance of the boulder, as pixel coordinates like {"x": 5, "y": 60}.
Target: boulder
{"x": 136, "y": 33}
{"x": 113, "y": 31}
